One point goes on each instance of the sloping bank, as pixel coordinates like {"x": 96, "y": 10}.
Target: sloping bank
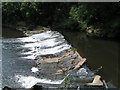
{"x": 65, "y": 68}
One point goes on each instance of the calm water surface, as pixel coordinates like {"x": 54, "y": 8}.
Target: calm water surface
{"x": 99, "y": 53}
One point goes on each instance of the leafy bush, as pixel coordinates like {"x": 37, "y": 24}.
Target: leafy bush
{"x": 72, "y": 16}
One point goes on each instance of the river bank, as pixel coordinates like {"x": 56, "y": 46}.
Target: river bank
{"x": 24, "y": 28}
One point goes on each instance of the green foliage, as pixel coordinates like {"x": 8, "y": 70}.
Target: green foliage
{"x": 66, "y": 84}
{"x": 72, "y": 16}
{"x": 73, "y": 13}
{"x": 83, "y": 25}
{"x": 71, "y": 24}
{"x": 102, "y": 16}
{"x": 74, "y": 49}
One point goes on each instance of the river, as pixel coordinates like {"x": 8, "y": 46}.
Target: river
{"x": 99, "y": 52}
{"x": 19, "y": 53}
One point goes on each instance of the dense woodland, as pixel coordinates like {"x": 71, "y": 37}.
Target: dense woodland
{"x": 96, "y": 19}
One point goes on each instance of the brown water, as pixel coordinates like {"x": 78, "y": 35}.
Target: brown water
{"x": 11, "y": 33}
{"x": 99, "y": 53}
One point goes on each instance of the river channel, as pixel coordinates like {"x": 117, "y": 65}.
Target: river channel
{"x": 99, "y": 53}
{"x": 19, "y": 53}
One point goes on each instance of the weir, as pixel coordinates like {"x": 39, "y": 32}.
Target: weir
{"x": 64, "y": 64}
{"x": 55, "y": 63}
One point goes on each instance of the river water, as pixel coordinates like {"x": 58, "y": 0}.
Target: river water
{"x": 99, "y": 53}
{"x": 19, "y": 53}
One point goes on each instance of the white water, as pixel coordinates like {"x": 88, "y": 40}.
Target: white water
{"x": 19, "y": 54}
{"x": 29, "y": 81}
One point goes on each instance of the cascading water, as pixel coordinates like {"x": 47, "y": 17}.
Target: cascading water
{"x": 19, "y": 55}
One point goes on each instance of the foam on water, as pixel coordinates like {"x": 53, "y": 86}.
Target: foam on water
{"x": 29, "y": 81}
{"x": 17, "y": 51}
{"x": 49, "y": 42}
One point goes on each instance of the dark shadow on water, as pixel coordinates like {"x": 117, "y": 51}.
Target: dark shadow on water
{"x": 99, "y": 53}
{"x": 11, "y": 33}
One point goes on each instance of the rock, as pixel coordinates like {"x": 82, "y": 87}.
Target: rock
{"x": 34, "y": 69}
{"x": 8, "y": 88}
{"x": 37, "y": 87}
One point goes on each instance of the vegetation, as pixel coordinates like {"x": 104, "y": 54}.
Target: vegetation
{"x": 97, "y": 19}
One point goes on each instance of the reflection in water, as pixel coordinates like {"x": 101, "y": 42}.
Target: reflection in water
{"x": 11, "y": 33}
{"x": 19, "y": 54}
{"x": 99, "y": 53}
